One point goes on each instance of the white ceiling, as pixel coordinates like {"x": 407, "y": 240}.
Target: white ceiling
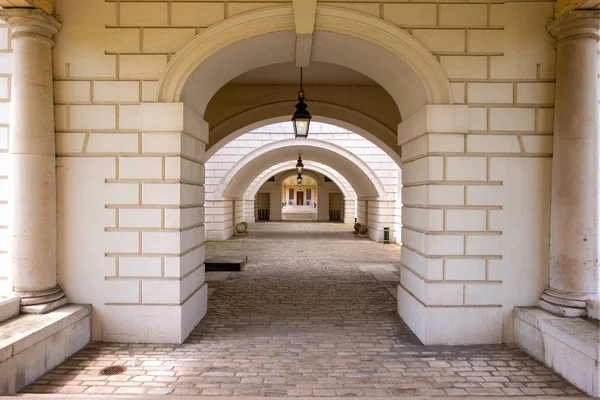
{"x": 306, "y": 180}
{"x": 318, "y": 73}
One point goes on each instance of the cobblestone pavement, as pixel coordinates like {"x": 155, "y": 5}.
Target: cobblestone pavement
{"x": 311, "y": 315}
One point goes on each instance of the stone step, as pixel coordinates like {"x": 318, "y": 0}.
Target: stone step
{"x": 224, "y": 264}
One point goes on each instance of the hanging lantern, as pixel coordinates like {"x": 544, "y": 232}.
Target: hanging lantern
{"x": 299, "y": 165}
{"x": 301, "y": 118}
{"x": 299, "y": 182}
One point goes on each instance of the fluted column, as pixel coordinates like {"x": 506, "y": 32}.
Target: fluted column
{"x": 575, "y": 212}
{"x": 32, "y": 175}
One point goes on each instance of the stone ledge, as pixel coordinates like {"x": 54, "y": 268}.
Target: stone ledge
{"x": 31, "y": 345}
{"x": 570, "y": 346}
{"x": 9, "y": 307}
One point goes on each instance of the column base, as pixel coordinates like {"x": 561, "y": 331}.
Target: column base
{"x": 594, "y": 309}
{"x": 42, "y": 302}
{"x": 559, "y": 304}
{"x": 43, "y": 308}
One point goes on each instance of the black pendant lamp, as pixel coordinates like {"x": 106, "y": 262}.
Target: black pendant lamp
{"x": 301, "y": 118}
{"x": 299, "y": 169}
{"x": 299, "y": 165}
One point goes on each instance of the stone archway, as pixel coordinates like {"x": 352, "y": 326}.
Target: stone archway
{"x": 283, "y": 167}
{"x": 212, "y": 58}
{"x": 330, "y": 114}
{"x": 373, "y": 201}
{"x": 407, "y": 71}
{"x": 365, "y": 182}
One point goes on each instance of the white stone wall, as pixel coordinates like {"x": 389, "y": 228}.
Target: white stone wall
{"x": 324, "y": 191}
{"x": 219, "y": 216}
{"x": 476, "y": 198}
{"x": 249, "y": 210}
{"x": 276, "y": 200}
{"x": 131, "y": 221}
{"x": 5, "y": 74}
{"x": 395, "y": 235}
{"x": 468, "y": 209}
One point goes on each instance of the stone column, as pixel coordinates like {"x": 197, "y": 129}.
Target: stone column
{"x": 574, "y": 247}
{"x": 32, "y": 176}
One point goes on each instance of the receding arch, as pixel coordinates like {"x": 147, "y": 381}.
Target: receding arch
{"x": 358, "y": 173}
{"x": 290, "y": 165}
{"x": 405, "y": 68}
{"x": 306, "y": 171}
{"x": 332, "y": 114}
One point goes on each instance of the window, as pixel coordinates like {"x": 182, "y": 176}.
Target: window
{"x": 291, "y": 196}
{"x": 308, "y": 194}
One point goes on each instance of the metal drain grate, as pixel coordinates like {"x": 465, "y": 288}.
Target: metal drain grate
{"x": 113, "y": 370}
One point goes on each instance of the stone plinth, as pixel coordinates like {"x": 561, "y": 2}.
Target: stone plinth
{"x": 31, "y": 345}
{"x": 570, "y": 346}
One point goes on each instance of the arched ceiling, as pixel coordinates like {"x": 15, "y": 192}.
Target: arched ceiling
{"x": 392, "y": 73}
{"x": 349, "y": 48}
{"x": 246, "y": 122}
{"x": 364, "y": 181}
{"x": 335, "y": 177}
{"x": 368, "y": 107}
{"x": 307, "y": 179}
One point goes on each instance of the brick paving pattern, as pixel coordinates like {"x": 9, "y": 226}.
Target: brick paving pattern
{"x": 305, "y": 318}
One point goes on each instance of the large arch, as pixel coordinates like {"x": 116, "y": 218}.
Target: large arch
{"x": 259, "y": 38}
{"x": 260, "y": 180}
{"x": 332, "y": 114}
{"x": 364, "y": 181}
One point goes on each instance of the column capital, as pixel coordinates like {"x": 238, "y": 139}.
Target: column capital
{"x": 576, "y": 24}
{"x": 30, "y": 22}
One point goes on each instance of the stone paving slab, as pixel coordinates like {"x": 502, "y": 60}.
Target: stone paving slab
{"x": 176, "y": 397}
{"x": 304, "y": 320}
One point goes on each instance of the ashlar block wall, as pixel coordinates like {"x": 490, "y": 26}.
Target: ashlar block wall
{"x": 131, "y": 222}
{"x": 477, "y": 192}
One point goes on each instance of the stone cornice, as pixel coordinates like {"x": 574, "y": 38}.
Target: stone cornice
{"x": 574, "y": 24}
{"x": 564, "y": 6}
{"x": 30, "y": 22}
{"x": 45, "y": 5}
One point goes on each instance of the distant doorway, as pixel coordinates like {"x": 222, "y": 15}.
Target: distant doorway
{"x": 300, "y": 199}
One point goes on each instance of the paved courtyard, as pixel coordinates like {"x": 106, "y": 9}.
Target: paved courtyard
{"x": 312, "y": 314}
